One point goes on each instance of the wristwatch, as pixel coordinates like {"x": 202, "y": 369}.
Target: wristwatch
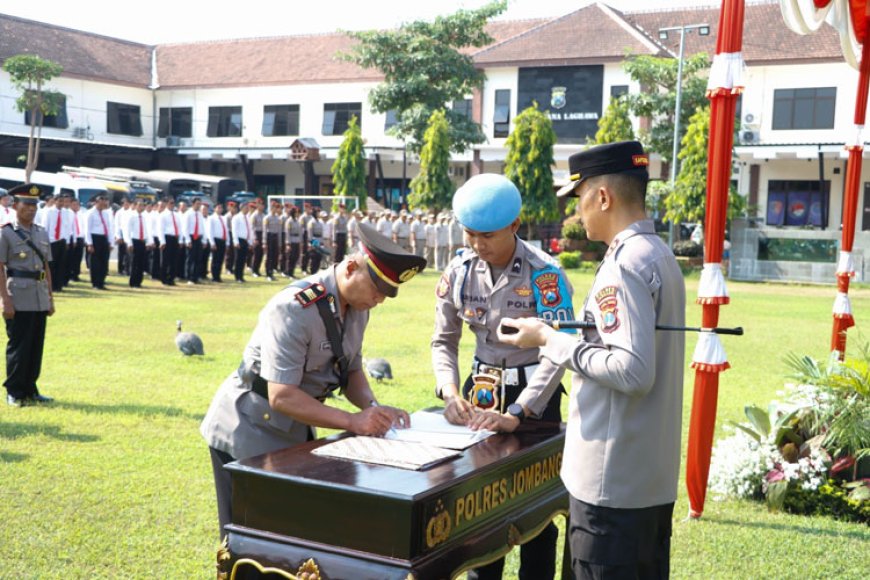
{"x": 517, "y": 411}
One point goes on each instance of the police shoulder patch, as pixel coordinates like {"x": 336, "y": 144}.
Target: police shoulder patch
{"x": 443, "y": 287}
{"x": 606, "y": 299}
{"x": 311, "y": 294}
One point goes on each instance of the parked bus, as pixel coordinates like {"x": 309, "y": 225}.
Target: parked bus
{"x": 175, "y": 183}
{"x": 120, "y": 187}
{"x": 81, "y": 187}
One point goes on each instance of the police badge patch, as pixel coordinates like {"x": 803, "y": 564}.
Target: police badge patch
{"x": 443, "y": 287}
{"x": 606, "y": 299}
{"x": 558, "y": 99}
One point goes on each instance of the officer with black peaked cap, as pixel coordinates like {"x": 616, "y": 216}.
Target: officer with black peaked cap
{"x": 25, "y": 290}
{"x": 307, "y": 343}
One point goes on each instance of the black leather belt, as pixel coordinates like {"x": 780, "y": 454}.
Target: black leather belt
{"x": 25, "y": 274}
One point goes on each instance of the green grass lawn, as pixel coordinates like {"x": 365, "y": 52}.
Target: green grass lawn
{"x": 114, "y": 481}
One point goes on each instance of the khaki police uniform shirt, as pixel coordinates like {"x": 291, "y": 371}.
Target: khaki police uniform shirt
{"x": 289, "y": 346}
{"x": 482, "y": 303}
{"x": 622, "y": 446}
{"x": 271, "y": 225}
{"x": 28, "y": 295}
{"x": 315, "y": 229}
{"x": 293, "y": 229}
{"x": 339, "y": 225}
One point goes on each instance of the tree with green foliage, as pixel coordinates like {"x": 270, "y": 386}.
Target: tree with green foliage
{"x": 657, "y": 99}
{"x": 29, "y": 73}
{"x": 432, "y": 188}
{"x": 349, "y": 168}
{"x": 529, "y": 164}
{"x": 615, "y": 124}
{"x": 688, "y": 200}
{"x": 424, "y": 70}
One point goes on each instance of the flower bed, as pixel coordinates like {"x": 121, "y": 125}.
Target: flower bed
{"x": 809, "y": 454}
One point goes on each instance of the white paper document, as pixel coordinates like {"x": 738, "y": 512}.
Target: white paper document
{"x": 402, "y": 454}
{"x": 433, "y": 429}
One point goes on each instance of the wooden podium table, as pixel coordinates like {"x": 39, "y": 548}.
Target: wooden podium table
{"x": 296, "y": 513}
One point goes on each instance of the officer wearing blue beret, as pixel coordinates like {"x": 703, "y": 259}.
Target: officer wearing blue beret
{"x": 499, "y": 275}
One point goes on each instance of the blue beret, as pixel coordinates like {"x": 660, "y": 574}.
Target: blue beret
{"x": 487, "y": 202}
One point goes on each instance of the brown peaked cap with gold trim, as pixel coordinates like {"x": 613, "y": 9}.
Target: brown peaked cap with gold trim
{"x": 389, "y": 264}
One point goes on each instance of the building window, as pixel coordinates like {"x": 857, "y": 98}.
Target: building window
{"x": 58, "y": 121}
{"x": 123, "y": 119}
{"x": 224, "y": 122}
{"x": 617, "y": 91}
{"x": 502, "y": 116}
{"x": 336, "y": 117}
{"x": 175, "y": 121}
{"x": 797, "y": 203}
{"x": 392, "y": 119}
{"x": 463, "y": 107}
{"x": 280, "y": 120}
{"x": 804, "y": 108}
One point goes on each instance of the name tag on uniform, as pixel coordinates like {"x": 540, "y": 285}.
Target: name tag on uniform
{"x": 325, "y": 345}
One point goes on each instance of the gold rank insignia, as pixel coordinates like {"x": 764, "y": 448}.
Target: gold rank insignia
{"x": 22, "y": 254}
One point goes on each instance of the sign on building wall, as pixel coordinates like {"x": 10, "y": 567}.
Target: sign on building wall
{"x": 571, "y": 94}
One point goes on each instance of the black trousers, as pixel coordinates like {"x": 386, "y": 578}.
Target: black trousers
{"x": 621, "y": 544}
{"x": 241, "y": 256}
{"x": 230, "y": 255}
{"x": 217, "y": 259}
{"x": 154, "y": 260}
{"x": 293, "y": 258}
{"x": 304, "y": 250}
{"x": 123, "y": 258}
{"x": 257, "y": 254}
{"x": 203, "y": 260}
{"x": 194, "y": 259}
{"x": 340, "y": 247}
{"x": 538, "y": 555}
{"x": 314, "y": 258}
{"x": 273, "y": 245}
{"x": 168, "y": 260}
{"x": 74, "y": 264}
{"x": 26, "y": 334}
{"x": 223, "y": 486}
{"x": 58, "y": 265}
{"x": 181, "y": 261}
{"x": 74, "y": 261}
{"x": 99, "y": 261}
{"x": 137, "y": 263}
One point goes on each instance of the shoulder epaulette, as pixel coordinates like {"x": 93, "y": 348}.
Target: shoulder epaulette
{"x": 311, "y": 294}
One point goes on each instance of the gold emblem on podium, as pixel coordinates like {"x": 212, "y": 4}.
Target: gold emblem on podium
{"x": 438, "y": 528}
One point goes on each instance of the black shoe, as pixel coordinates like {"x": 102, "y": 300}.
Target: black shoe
{"x": 15, "y": 402}
{"x": 41, "y": 399}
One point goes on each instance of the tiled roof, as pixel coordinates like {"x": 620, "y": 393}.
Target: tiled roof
{"x": 593, "y": 33}
{"x": 82, "y": 54}
{"x": 279, "y": 60}
{"x": 765, "y": 36}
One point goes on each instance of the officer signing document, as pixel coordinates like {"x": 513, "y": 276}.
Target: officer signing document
{"x": 307, "y": 343}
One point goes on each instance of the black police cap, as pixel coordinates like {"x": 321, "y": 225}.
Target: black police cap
{"x": 621, "y": 157}
{"x": 27, "y": 193}
{"x": 389, "y": 264}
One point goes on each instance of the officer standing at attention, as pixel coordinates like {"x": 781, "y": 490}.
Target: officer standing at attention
{"x": 622, "y": 447}
{"x": 272, "y": 227}
{"x": 307, "y": 343}
{"x": 293, "y": 229}
{"x": 499, "y": 275}
{"x": 339, "y": 233}
{"x": 98, "y": 237}
{"x": 25, "y": 289}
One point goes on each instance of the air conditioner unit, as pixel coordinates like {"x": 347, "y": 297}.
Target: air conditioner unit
{"x": 749, "y": 137}
{"x": 173, "y": 141}
{"x": 80, "y": 132}
{"x": 751, "y": 120}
